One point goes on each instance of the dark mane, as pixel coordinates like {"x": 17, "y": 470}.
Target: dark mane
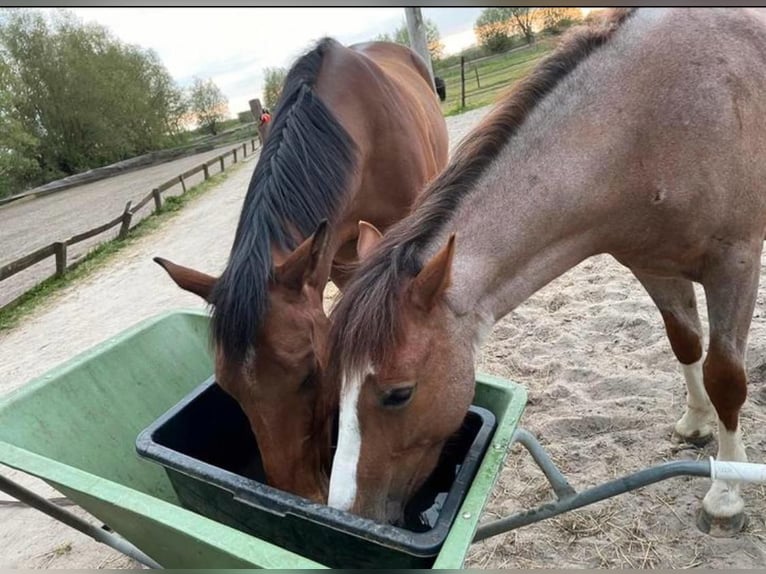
{"x": 365, "y": 322}
{"x": 298, "y": 181}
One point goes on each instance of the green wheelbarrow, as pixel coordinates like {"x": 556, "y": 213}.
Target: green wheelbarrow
{"x": 76, "y": 429}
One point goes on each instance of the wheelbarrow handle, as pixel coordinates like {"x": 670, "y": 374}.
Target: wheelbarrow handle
{"x": 737, "y": 471}
{"x": 568, "y": 499}
{"x": 102, "y": 534}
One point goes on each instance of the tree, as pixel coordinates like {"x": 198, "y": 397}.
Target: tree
{"x": 402, "y": 36}
{"x": 493, "y": 29}
{"x": 523, "y": 19}
{"x": 74, "y": 98}
{"x": 17, "y": 147}
{"x": 178, "y": 111}
{"x": 272, "y": 86}
{"x": 208, "y": 104}
{"x": 554, "y": 20}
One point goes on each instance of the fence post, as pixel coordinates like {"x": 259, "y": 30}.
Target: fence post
{"x": 222, "y": 166}
{"x": 205, "y": 171}
{"x": 252, "y": 144}
{"x": 476, "y": 71}
{"x": 183, "y": 183}
{"x": 235, "y": 155}
{"x": 157, "y": 200}
{"x": 126, "y": 217}
{"x": 462, "y": 82}
{"x": 59, "y": 248}
{"x": 244, "y": 150}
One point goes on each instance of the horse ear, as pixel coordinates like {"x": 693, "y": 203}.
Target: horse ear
{"x": 368, "y": 238}
{"x": 434, "y": 278}
{"x": 309, "y": 264}
{"x": 188, "y": 279}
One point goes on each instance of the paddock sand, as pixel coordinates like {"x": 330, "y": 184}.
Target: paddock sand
{"x": 604, "y": 392}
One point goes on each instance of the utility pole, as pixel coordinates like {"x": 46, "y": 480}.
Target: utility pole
{"x": 417, "y": 31}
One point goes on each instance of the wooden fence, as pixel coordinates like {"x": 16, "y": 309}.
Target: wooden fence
{"x": 58, "y": 249}
{"x": 475, "y": 82}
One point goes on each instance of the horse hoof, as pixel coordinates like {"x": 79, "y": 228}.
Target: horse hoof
{"x": 720, "y": 526}
{"x": 696, "y": 426}
{"x": 695, "y": 439}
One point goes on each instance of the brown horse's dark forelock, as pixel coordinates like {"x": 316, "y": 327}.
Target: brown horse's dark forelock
{"x": 299, "y": 180}
{"x": 365, "y": 322}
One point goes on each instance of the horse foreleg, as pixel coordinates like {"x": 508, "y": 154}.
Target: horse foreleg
{"x": 730, "y": 288}
{"x": 678, "y": 306}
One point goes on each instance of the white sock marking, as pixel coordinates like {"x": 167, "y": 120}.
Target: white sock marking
{"x": 723, "y": 499}
{"x": 343, "y": 476}
{"x": 730, "y": 445}
{"x": 699, "y": 410}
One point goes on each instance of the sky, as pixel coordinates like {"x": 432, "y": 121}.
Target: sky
{"x": 233, "y": 45}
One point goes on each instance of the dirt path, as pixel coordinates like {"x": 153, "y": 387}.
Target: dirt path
{"x": 604, "y": 394}
{"x": 28, "y": 224}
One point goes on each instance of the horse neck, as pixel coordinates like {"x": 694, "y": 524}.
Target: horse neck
{"x": 536, "y": 212}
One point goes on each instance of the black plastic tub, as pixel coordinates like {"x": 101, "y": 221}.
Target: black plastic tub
{"x": 212, "y": 460}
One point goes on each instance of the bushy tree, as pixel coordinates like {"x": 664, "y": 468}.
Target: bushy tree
{"x": 555, "y": 20}
{"x": 433, "y": 38}
{"x": 273, "y": 78}
{"x": 208, "y": 104}
{"x": 495, "y": 27}
{"x": 74, "y": 98}
{"x": 18, "y": 149}
{"x": 522, "y": 19}
{"x": 493, "y": 30}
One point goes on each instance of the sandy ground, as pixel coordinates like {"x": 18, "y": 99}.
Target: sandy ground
{"x": 604, "y": 392}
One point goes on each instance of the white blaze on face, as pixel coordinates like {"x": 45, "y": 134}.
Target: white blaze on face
{"x": 343, "y": 475}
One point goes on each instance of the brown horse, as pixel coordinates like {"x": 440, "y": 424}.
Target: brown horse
{"x": 357, "y": 134}
{"x": 637, "y": 137}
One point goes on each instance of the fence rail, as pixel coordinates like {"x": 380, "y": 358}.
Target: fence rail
{"x": 474, "y": 82}
{"x": 58, "y": 249}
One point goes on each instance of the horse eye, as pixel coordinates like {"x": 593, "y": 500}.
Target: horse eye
{"x": 398, "y": 397}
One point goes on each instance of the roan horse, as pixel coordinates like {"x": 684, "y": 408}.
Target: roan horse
{"x": 357, "y": 134}
{"x": 637, "y": 137}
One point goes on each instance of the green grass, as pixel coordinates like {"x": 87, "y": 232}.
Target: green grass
{"x": 496, "y": 75}
{"x": 12, "y": 314}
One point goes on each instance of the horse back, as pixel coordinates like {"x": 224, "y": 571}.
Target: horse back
{"x": 382, "y": 94}
{"x": 703, "y": 87}
{"x": 681, "y": 99}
